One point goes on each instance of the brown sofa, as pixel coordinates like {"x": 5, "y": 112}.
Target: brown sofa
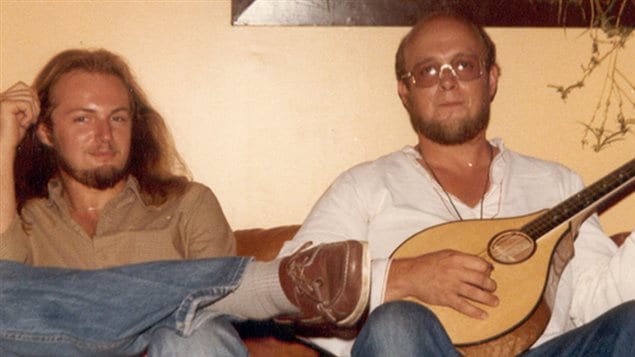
{"x": 268, "y": 339}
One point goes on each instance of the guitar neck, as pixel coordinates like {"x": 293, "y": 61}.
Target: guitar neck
{"x": 582, "y": 202}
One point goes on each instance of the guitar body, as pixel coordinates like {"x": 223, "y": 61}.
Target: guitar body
{"x": 528, "y": 254}
{"x": 520, "y": 284}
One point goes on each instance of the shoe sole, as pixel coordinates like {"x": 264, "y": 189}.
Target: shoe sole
{"x": 362, "y": 303}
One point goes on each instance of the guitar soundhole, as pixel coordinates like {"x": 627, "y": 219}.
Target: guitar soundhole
{"x": 511, "y": 247}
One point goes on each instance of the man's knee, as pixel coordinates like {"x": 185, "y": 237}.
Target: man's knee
{"x": 623, "y": 316}
{"x": 398, "y": 320}
{"x": 403, "y": 328}
{"x": 404, "y": 314}
{"x": 215, "y": 337}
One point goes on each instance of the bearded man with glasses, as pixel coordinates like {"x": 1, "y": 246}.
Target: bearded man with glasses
{"x": 447, "y": 77}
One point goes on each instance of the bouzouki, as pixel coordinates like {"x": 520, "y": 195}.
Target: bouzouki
{"x": 528, "y": 254}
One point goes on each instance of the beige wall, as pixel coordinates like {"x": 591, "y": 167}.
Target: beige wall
{"x": 268, "y": 116}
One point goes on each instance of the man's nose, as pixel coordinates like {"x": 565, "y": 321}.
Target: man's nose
{"x": 447, "y": 77}
{"x": 104, "y": 129}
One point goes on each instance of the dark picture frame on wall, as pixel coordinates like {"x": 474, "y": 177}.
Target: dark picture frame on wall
{"x": 496, "y": 13}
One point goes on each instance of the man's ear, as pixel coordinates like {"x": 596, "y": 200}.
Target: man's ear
{"x": 404, "y": 93}
{"x": 494, "y": 72}
{"x": 44, "y": 134}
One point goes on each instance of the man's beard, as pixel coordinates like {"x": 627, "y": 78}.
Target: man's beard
{"x": 101, "y": 178}
{"x": 459, "y": 132}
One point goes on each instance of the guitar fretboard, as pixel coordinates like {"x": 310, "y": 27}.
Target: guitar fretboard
{"x": 578, "y": 202}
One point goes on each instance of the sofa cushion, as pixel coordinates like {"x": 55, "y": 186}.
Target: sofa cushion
{"x": 263, "y": 243}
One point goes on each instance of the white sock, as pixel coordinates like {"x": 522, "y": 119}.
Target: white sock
{"x": 259, "y": 296}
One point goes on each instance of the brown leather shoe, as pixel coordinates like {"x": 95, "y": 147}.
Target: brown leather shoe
{"x": 329, "y": 282}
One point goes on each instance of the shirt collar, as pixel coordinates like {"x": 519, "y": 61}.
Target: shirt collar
{"x": 412, "y": 152}
{"x": 131, "y": 191}
{"x": 497, "y": 168}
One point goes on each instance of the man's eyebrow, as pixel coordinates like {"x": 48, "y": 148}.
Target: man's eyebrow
{"x": 433, "y": 59}
{"x": 80, "y": 109}
{"x": 456, "y": 55}
{"x": 121, "y": 109}
{"x": 90, "y": 110}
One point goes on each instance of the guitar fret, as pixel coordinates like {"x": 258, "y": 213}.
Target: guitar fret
{"x": 581, "y": 200}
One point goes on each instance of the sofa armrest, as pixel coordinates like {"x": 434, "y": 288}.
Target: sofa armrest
{"x": 620, "y": 237}
{"x": 263, "y": 243}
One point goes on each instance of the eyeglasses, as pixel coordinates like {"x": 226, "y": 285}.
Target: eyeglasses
{"x": 428, "y": 73}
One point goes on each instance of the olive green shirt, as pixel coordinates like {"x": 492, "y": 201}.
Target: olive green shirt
{"x": 189, "y": 226}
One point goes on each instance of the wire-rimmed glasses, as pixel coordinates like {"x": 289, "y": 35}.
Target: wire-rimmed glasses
{"x": 428, "y": 73}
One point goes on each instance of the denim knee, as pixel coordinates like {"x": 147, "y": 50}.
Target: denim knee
{"x": 622, "y": 320}
{"x": 402, "y": 328}
{"x": 216, "y": 337}
{"x": 611, "y": 334}
{"x": 626, "y": 312}
{"x": 402, "y": 315}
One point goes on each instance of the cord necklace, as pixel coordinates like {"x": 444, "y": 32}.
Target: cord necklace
{"x": 447, "y": 194}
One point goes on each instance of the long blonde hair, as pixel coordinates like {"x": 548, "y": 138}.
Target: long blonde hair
{"x": 153, "y": 161}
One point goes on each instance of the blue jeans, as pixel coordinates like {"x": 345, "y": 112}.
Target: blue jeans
{"x": 215, "y": 337}
{"x": 113, "y": 312}
{"x": 409, "y": 329}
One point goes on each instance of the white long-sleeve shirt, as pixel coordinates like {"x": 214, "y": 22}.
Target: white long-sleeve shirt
{"x": 391, "y": 198}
